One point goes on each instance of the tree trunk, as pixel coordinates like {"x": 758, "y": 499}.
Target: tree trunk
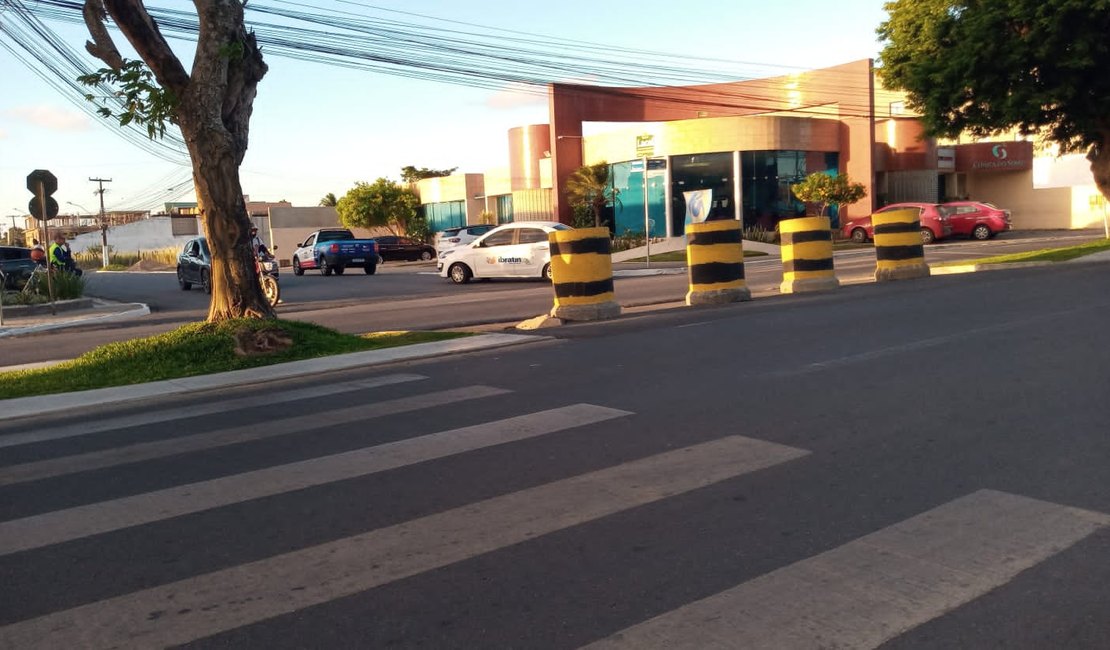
{"x": 1099, "y": 155}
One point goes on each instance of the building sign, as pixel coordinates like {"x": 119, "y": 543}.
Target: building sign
{"x": 994, "y": 157}
{"x": 645, "y": 146}
{"x": 698, "y": 203}
{"x": 946, "y": 159}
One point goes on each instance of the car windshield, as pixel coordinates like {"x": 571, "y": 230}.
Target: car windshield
{"x": 334, "y": 235}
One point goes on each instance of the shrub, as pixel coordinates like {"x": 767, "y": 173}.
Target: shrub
{"x": 760, "y": 234}
{"x": 628, "y": 240}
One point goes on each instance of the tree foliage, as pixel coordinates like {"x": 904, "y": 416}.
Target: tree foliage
{"x": 410, "y": 174}
{"x": 825, "y": 190}
{"x": 329, "y": 200}
{"x": 382, "y": 203}
{"x": 1035, "y": 66}
{"x": 589, "y": 186}
{"x": 212, "y": 104}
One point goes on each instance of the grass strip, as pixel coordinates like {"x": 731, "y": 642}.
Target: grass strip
{"x": 196, "y": 349}
{"x": 1042, "y": 255}
{"x": 680, "y": 256}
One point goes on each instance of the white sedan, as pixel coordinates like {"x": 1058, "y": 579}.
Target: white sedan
{"x": 514, "y": 250}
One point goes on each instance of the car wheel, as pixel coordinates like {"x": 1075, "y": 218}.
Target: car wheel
{"x": 927, "y": 236}
{"x": 426, "y": 256}
{"x": 339, "y": 269}
{"x": 546, "y": 274}
{"x": 370, "y": 269}
{"x": 859, "y": 235}
{"x": 982, "y": 232}
{"x": 325, "y": 268}
{"x": 206, "y": 281}
{"x": 297, "y": 270}
{"x": 185, "y": 286}
{"x": 459, "y": 273}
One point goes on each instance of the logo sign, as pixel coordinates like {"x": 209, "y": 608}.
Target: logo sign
{"x": 645, "y": 145}
{"x": 698, "y": 203}
{"x": 993, "y": 156}
{"x": 999, "y": 151}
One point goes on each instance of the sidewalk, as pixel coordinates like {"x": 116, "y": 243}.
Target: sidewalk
{"x": 19, "y": 319}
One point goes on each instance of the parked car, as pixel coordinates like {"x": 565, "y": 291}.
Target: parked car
{"x": 403, "y": 248}
{"x": 194, "y": 265}
{"x": 976, "y": 219}
{"x": 452, "y": 237}
{"x": 332, "y": 250}
{"x": 514, "y": 250}
{"x": 933, "y": 217}
{"x": 16, "y": 265}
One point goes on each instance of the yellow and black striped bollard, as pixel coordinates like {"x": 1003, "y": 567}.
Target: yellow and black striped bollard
{"x": 807, "y": 255}
{"x": 715, "y": 259}
{"x": 899, "y": 251}
{"x": 582, "y": 275}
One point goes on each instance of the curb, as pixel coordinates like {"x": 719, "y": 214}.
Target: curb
{"x": 141, "y": 309}
{"x": 26, "y": 406}
{"x": 44, "y": 308}
{"x": 976, "y": 268}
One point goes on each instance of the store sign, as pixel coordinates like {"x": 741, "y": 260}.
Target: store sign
{"x": 994, "y": 156}
{"x": 698, "y": 204}
{"x": 645, "y": 146}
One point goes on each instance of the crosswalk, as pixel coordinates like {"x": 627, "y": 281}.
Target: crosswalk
{"x": 856, "y": 595}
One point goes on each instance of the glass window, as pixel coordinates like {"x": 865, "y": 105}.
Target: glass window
{"x": 503, "y": 238}
{"x": 448, "y": 214}
{"x": 531, "y": 236}
{"x": 766, "y": 177}
{"x": 628, "y": 211}
{"x": 334, "y": 235}
{"x": 709, "y": 173}
{"x": 504, "y": 208}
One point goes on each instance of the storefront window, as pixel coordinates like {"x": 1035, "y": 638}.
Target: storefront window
{"x": 709, "y": 172}
{"x": 505, "y": 208}
{"x": 767, "y": 177}
{"x": 628, "y": 210}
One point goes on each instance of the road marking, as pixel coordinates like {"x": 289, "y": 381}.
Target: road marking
{"x": 83, "y": 521}
{"x": 201, "y": 606}
{"x": 877, "y": 587}
{"x": 206, "y": 408}
{"x": 235, "y": 435}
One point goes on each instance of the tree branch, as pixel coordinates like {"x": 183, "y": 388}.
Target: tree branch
{"x": 143, "y": 34}
{"x": 102, "y": 46}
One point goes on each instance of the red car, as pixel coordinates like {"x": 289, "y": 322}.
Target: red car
{"x": 978, "y": 220}
{"x": 933, "y": 216}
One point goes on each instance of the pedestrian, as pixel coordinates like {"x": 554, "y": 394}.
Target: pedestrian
{"x": 61, "y": 257}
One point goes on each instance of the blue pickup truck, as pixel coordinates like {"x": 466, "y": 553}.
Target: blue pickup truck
{"x": 334, "y": 250}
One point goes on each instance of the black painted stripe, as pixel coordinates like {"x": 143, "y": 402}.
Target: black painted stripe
{"x": 714, "y": 272}
{"x": 895, "y": 228}
{"x": 582, "y": 246}
{"x": 714, "y": 237}
{"x": 806, "y": 236}
{"x": 808, "y": 265}
{"x": 896, "y": 253}
{"x": 583, "y": 289}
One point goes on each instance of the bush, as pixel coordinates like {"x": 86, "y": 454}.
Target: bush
{"x": 91, "y": 258}
{"x": 760, "y": 234}
{"x": 628, "y": 240}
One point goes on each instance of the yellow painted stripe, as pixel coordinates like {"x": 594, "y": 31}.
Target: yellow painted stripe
{"x": 584, "y": 300}
{"x": 590, "y": 267}
{"x": 713, "y": 226}
{"x": 812, "y": 250}
{"x": 807, "y": 275}
{"x": 803, "y": 224}
{"x": 896, "y": 216}
{"x": 735, "y": 284}
{"x": 578, "y": 234}
{"x": 898, "y": 239}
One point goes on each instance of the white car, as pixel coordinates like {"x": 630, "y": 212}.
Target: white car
{"x": 514, "y": 250}
{"x": 459, "y": 235}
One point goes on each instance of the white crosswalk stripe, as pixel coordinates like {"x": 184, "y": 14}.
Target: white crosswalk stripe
{"x": 82, "y": 521}
{"x": 197, "y": 410}
{"x": 879, "y": 586}
{"x": 235, "y": 435}
{"x": 205, "y": 605}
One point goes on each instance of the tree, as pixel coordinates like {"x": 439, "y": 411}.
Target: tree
{"x": 212, "y": 106}
{"x": 410, "y": 174}
{"x": 589, "y": 186}
{"x": 329, "y": 200}
{"x": 382, "y": 203}
{"x": 825, "y": 190}
{"x": 1035, "y": 66}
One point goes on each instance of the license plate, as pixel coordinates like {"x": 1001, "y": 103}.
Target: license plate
{"x": 358, "y": 260}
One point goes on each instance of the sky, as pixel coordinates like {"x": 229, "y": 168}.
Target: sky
{"x": 318, "y": 129}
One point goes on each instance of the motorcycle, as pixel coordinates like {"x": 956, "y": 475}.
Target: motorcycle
{"x": 267, "y": 266}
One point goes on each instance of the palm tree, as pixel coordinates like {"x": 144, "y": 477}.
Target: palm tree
{"x": 589, "y": 185}
{"x": 329, "y": 200}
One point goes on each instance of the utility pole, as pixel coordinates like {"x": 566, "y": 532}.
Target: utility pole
{"x": 103, "y": 220}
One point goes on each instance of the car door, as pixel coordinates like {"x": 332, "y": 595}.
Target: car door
{"x": 305, "y": 254}
{"x": 189, "y": 265}
{"x": 962, "y": 218}
{"x": 389, "y": 248}
{"x": 534, "y": 249}
{"x": 493, "y": 253}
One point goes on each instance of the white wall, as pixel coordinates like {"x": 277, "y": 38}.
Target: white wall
{"x": 145, "y": 235}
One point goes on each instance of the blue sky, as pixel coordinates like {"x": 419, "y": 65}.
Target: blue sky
{"x": 319, "y": 129}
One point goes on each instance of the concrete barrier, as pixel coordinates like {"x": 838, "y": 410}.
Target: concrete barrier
{"x": 899, "y": 252}
{"x": 807, "y": 255}
{"x": 582, "y": 275}
{"x": 715, "y": 259}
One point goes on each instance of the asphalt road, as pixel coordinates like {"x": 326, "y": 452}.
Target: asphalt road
{"x": 411, "y": 296}
{"x": 910, "y": 465}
